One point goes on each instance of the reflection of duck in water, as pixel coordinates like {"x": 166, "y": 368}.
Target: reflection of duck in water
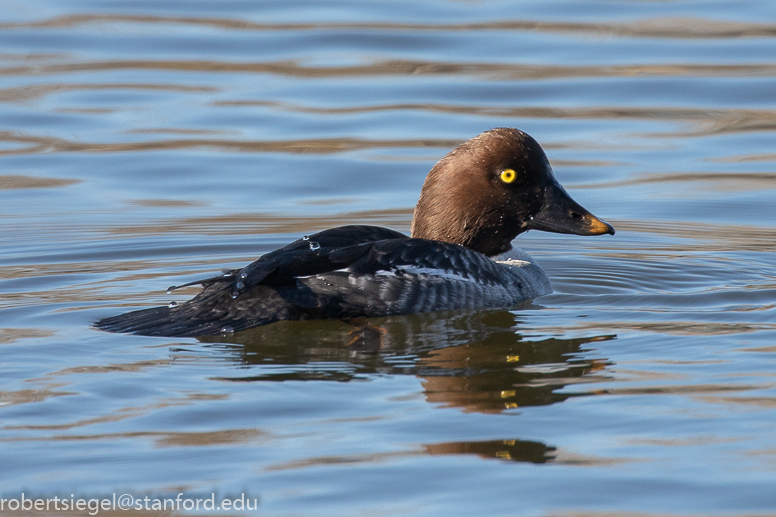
{"x": 474, "y": 202}
{"x": 473, "y": 360}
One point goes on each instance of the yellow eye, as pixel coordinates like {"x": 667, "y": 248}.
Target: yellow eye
{"x": 508, "y": 176}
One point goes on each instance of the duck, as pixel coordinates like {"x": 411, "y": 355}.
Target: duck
{"x": 474, "y": 202}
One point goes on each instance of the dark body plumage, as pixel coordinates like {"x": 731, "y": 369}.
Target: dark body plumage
{"x": 345, "y": 272}
{"x": 474, "y": 202}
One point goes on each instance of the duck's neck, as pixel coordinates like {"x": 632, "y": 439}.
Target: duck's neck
{"x": 440, "y": 220}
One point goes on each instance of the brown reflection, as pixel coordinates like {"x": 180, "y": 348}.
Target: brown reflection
{"x": 514, "y": 450}
{"x": 28, "y": 56}
{"x": 702, "y": 122}
{"x": 602, "y": 112}
{"x": 723, "y": 181}
{"x": 763, "y": 157}
{"x": 754, "y": 403}
{"x": 117, "y": 416}
{"x": 511, "y": 450}
{"x": 679, "y": 328}
{"x": 680, "y": 237}
{"x": 674, "y": 28}
{"x": 165, "y": 203}
{"x": 86, "y": 111}
{"x": 161, "y": 439}
{"x": 35, "y": 91}
{"x": 45, "y": 144}
{"x": 109, "y": 368}
{"x": 87, "y": 293}
{"x": 475, "y": 361}
{"x": 269, "y": 223}
{"x": 497, "y": 373}
{"x": 10, "y": 398}
{"x": 14, "y": 181}
{"x": 227, "y": 436}
{"x": 11, "y": 335}
{"x": 180, "y": 131}
{"x": 717, "y": 236}
{"x": 400, "y": 67}
{"x": 505, "y": 450}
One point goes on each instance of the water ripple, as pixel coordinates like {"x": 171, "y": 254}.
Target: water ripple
{"x": 670, "y": 28}
{"x": 404, "y": 67}
{"x": 47, "y": 144}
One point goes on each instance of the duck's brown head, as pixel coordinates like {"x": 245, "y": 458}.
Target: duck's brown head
{"x": 487, "y": 191}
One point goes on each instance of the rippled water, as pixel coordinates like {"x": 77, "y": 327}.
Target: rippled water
{"x": 144, "y": 144}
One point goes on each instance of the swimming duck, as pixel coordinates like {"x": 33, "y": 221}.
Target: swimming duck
{"x": 474, "y": 202}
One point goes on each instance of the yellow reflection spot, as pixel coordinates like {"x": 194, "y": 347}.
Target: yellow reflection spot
{"x": 507, "y": 393}
{"x": 510, "y": 405}
{"x": 508, "y": 175}
{"x": 503, "y": 454}
{"x": 513, "y": 358}
{"x": 509, "y": 442}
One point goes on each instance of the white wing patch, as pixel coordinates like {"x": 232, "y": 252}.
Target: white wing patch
{"x": 426, "y": 271}
{"x": 513, "y": 262}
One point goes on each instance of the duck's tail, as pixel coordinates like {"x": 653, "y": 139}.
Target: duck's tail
{"x": 211, "y": 312}
{"x": 157, "y": 321}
